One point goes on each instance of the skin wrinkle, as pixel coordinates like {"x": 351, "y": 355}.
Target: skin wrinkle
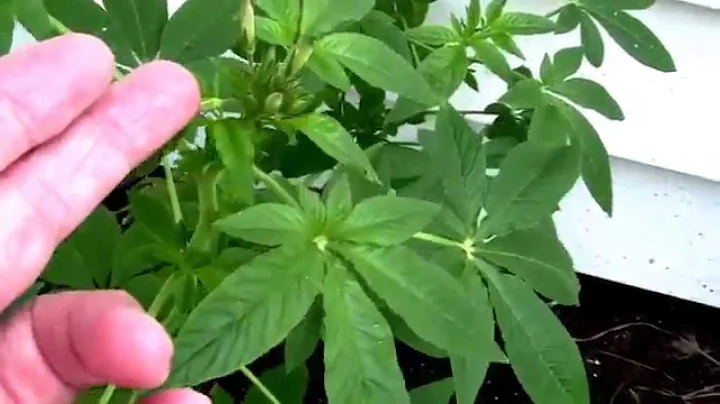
{"x": 63, "y": 151}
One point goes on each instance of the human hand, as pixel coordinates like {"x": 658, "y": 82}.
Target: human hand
{"x": 67, "y": 137}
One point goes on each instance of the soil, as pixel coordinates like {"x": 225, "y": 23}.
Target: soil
{"x": 638, "y": 346}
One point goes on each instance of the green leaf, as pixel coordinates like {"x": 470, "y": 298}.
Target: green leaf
{"x": 220, "y": 396}
{"x": 329, "y": 135}
{"x": 321, "y": 16}
{"x": 33, "y": 16}
{"x": 403, "y": 333}
{"x": 444, "y": 68}
{"x": 568, "y": 19}
{"x": 386, "y": 220}
{"x": 304, "y": 338}
{"x": 494, "y": 10}
{"x": 78, "y": 15}
{"x": 543, "y": 355}
{"x": 474, "y": 16}
{"x": 378, "y": 65}
{"x": 284, "y": 11}
{"x": 141, "y": 22}
{"x": 85, "y": 258}
{"x": 515, "y": 23}
{"x": 621, "y": 4}
{"x": 7, "y": 27}
{"x": 492, "y": 58}
{"x": 469, "y": 370}
{"x": 268, "y": 224}
{"x": 328, "y": 69}
{"x": 433, "y": 35}
{"x": 272, "y": 32}
{"x": 197, "y": 31}
{"x": 457, "y": 153}
{"x": 567, "y": 62}
{"x": 382, "y": 27}
{"x": 67, "y": 268}
{"x": 634, "y": 37}
{"x": 439, "y": 392}
{"x": 540, "y": 259}
{"x": 234, "y": 142}
{"x": 360, "y": 361}
{"x": 507, "y": 43}
{"x": 546, "y": 70}
{"x": 549, "y": 126}
{"x": 533, "y": 179}
{"x": 431, "y": 302}
{"x": 591, "y": 95}
{"x": 339, "y": 202}
{"x": 526, "y": 94}
{"x": 134, "y": 254}
{"x": 148, "y": 212}
{"x": 596, "y": 170}
{"x": 252, "y": 311}
{"x": 592, "y": 41}
{"x": 287, "y": 387}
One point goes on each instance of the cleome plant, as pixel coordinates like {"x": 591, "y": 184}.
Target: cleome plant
{"x": 290, "y": 215}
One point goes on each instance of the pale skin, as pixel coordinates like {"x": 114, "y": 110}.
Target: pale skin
{"x": 68, "y": 136}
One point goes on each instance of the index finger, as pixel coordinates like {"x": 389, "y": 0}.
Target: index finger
{"x": 45, "y": 86}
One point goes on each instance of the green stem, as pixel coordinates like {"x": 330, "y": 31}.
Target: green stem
{"x": 431, "y": 238}
{"x": 275, "y": 187}
{"x": 263, "y": 389}
{"x": 172, "y": 191}
{"x": 162, "y": 296}
{"x": 208, "y": 207}
{"x": 107, "y": 394}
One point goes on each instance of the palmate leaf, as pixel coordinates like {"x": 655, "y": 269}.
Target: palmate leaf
{"x": 431, "y": 302}
{"x": 439, "y": 392}
{"x": 542, "y": 353}
{"x": 539, "y": 258}
{"x": 252, "y": 311}
{"x": 386, "y": 220}
{"x": 469, "y": 370}
{"x": 444, "y": 68}
{"x": 457, "y": 154}
{"x": 85, "y": 258}
{"x": 533, "y": 179}
{"x": 592, "y": 40}
{"x": 330, "y": 136}
{"x": 233, "y": 140}
{"x": 633, "y": 37}
{"x": 591, "y": 95}
{"x": 304, "y": 338}
{"x": 382, "y": 27}
{"x": 377, "y": 64}
{"x": 141, "y": 22}
{"x": 197, "y": 31}
{"x": 595, "y": 166}
{"x": 360, "y": 362}
{"x": 320, "y": 16}
{"x": 516, "y": 23}
{"x": 268, "y": 224}
{"x": 433, "y": 35}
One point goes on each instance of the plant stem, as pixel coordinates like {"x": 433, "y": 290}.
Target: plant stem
{"x": 275, "y": 187}
{"x": 208, "y": 206}
{"x": 107, "y": 394}
{"x": 263, "y": 389}
{"x": 431, "y": 238}
{"x": 172, "y": 190}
